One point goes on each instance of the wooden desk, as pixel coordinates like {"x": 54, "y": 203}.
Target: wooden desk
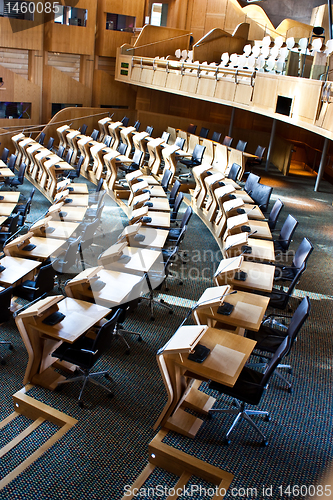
{"x": 3, "y": 219}
{"x": 119, "y": 288}
{"x": 62, "y": 230}
{"x": 77, "y": 200}
{"x": 17, "y": 270}
{"x": 74, "y": 188}
{"x": 141, "y": 260}
{"x": 9, "y": 197}
{"x": 45, "y": 248}
{"x": 182, "y": 377}
{"x": 41, "y": 340}
{"x": 153, "y": 238}
{"x": 72, "y": 214}
{"x": 6, "y": 208}
{"x": 261, "y": 250}
{"x": 259, "y": 277}
{"x": 258, "y": 228}
{"x": 159, "y": 219}
{"x": 249, "y": 309}
{"x": 6, "y": 173}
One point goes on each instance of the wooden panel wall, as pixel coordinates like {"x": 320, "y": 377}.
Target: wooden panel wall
{"x": 20, "y": 34}
{"x": 160, "y": 41}
{"x": 108, "y": 92}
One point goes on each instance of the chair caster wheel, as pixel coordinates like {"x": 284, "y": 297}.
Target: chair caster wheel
{"x": 140, "y": 339}
{"x": 170, "y": 312}
{"x": 152, "y": 318}
{"x": 127, "y": 352}
{"x": 267, "y": 418}
{"x": 110, "y": 395}
{"x": 290, "y": 371}
{"x": 289, "y": 390}
{"x": 107, "y": 376}
{"x": 81, "y": 404}
{"x": 11, "y": 347}
{"x": 162, "y": 301}
{"x": 3, "y": 362}
{"x": 181, "y": 283}
{"x": 210, "y": 416}
{"x": 226, "y": 441}
{"x": 264, "y": 442}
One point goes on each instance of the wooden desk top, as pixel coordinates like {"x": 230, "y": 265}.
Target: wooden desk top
{"x": 154, "y": 238}
{"x": 261, "y": 250}
{"x": 2, "y": 164}
{"x": 78, "y": 200}
{"x": 80, "y": 316}
{"x": 9, "y": 196}
{"x": 248, "y": 312}
{"x": 62, "y": 230}
{"x": 157, "y": 192}
{"x": 5, "y": 172}
{"x": 142, "y": 260}
{"x": 45, "y": 247}
{"x": 3, "y": 219}
{"x": 6, "y": 208}
{"x": 228, "y": 354}
{"x": 73, "y": 214}
{"x": 78, "y": 188}
{"x": 16, "y": 269}
{"x": 159, "y": 219}
{"x": 259, "y": 277}
{"x": 119, "y": 287}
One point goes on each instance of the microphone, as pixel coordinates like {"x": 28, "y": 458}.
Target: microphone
{"x": 205, "y": 302}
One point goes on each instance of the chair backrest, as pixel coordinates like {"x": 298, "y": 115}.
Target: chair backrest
{"x": 274, "y": 214}
{"x": 88, "y": 233}
{"x": 261, "y": 195}
{"x": 122, "y": 148}
{"x": 107, "y": 140}
{"x": 60, "y": 151}
{"x": 4, "y": 155}
{"x": 227, "y": 141}
{"x": 166, "y": 137}
{"x": 99, "y": 185}
{"x": 104, "y": 337}
{"x": 41, "y": 138}
{"x": 198, "y": 152}
{"x": 178, "y": 202}
{"x": 186, "y": 217}
{"x": 191, "y": 128}
{"x": 11, "y": 162}
{"x": 180, "y": 141}
{"x": 273, "y": 363}
{"x": 137, "y": 158}
{"x": 70, "y": 256}
{"x": 174, "y": 190}
{"x": 125, "y": 121}
{"x": 241, "y": 145}
{"x": 299, "y": 317}
{"x": 251, "y": 181}
{"x": 204, "y": 132}
{"x": 12, "y": 227}
{"x": 234, "y": 171}
{"x": 69, "y": 156}
{"x": 50, "y": 143}
{"x": 166, "y": 179}
{"x": 287, "y": 231}
{"x": 78, "y": 166}
{"x": 83, "y": 129}
{"x": 45, "y": 279}
{"x": 137, "y": 125}
{"x": 302, "y": 253}
{"x": 149, "y": 130}
{"x": 94, "y": 134}
{"x": 296, "y": 279}
{"x": 216, "y": 137}
{"x": 260, "y": 151}
{"x": 5, "y": 300}
{"x": 31, "y": 195}
{"x": 21, "y": 172}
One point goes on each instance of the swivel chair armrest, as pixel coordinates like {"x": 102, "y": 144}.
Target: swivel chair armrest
{"x": 27, "y": 287}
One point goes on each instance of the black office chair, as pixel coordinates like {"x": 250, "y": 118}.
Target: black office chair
{"x": 83, "y": 129}
{"x": 261, "y": 195}
{"x": 94, "y": 134}
{"x": 166, "y": 179}
{"x": 23, "y": 215}
{"x": 174, "y": 192}
{"x": 69, "y": 155}
{"x": 137, "y": 125}
{"x": 168, "y": 250}
{"x": 67, "y": 259}
{"x": 286, "y": 233}
{"x": 87, "y": 238}
{"x": 227, "y": 141}
{"x": 85, "y": 352}
{"x": 8, "y": 230}
{"x": 94, "y": 197}
{"x": 21, "y": 208}
{"x": 122, "y": 147}
{"x": 165, "y": 136}
{"x": 4, "y": 155}
{"x": 191, "y": 128}
{"x": 11, "y": 162}
{"x": 249, "y": 389}
{"x": 234, "y": 172}
{"x": 274, "y": 214}
{"x": 107, "y": 141}
{"x": 44, "y": 283}
{"x": 75, "y": 174}
{"x": 125, "y": 121}
{"x": 50, "y": 143}
{"x": 279, "y": 299}
{"x": 136, "y": 162}
{"x": 149, "y": 130}
{"x": 241, "y": 145}
{"x": 60, "y": 151}
{"x": 254, "y": 162}
{"x": 176, "y": 207}
{"x": 204, "y": 132}
{"x": 287, "y": 273}
{"x": 180, "y": 142}
{"x": 18, "y": 180}
{"x": 91, "y": 212}
{"x": 216, "y": 137}
{"x": 196, "y": 159}
{"x": 271, "y": 335}
{"x": 175, "y": 232}
{"x": 41, "y": 138}
{"x": 251, "y": 181}
{"x": 5, "y": 314}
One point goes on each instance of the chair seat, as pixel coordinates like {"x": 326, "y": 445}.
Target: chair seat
{"x": 247, "y": 387}
{"x": 278, "y": 247}
{"x": 285, "y": 273}
{"x": 174, "y": 233}
{"x": 75, "y": 355}
{"x": 278, "y": 299}
{"x": 266, "y": 338}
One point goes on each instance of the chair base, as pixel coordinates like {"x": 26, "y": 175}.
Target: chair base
{"x": 119, "y": 332}
{"x": 153, "y": 301}
{"x": 87, "y": 377}
{"x": 240, "y": 413}
{"x": 277, "y": 372}
{"x": 10, "y": 347}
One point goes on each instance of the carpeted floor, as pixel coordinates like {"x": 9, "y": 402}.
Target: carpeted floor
{"x": 108, "y": 447}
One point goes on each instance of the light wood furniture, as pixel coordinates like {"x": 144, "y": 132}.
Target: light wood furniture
{"x": 5, "y": 173}
{"x": 9, "y": 197}
{"x": 44, "y": 247}
{"x": 261, "y": 250}
{"x": 50, "y": 228}
{"x": 17, "y": 270}
{"x": 62, "y": 212}
{"x": 227, "y": 357}
{"x": 259, "y": 277}
{"x": 41, "y": 339}
{"x": 6, "y": 208}
{"x": 144, "y": 237}
{"x": 133, "y": 260}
